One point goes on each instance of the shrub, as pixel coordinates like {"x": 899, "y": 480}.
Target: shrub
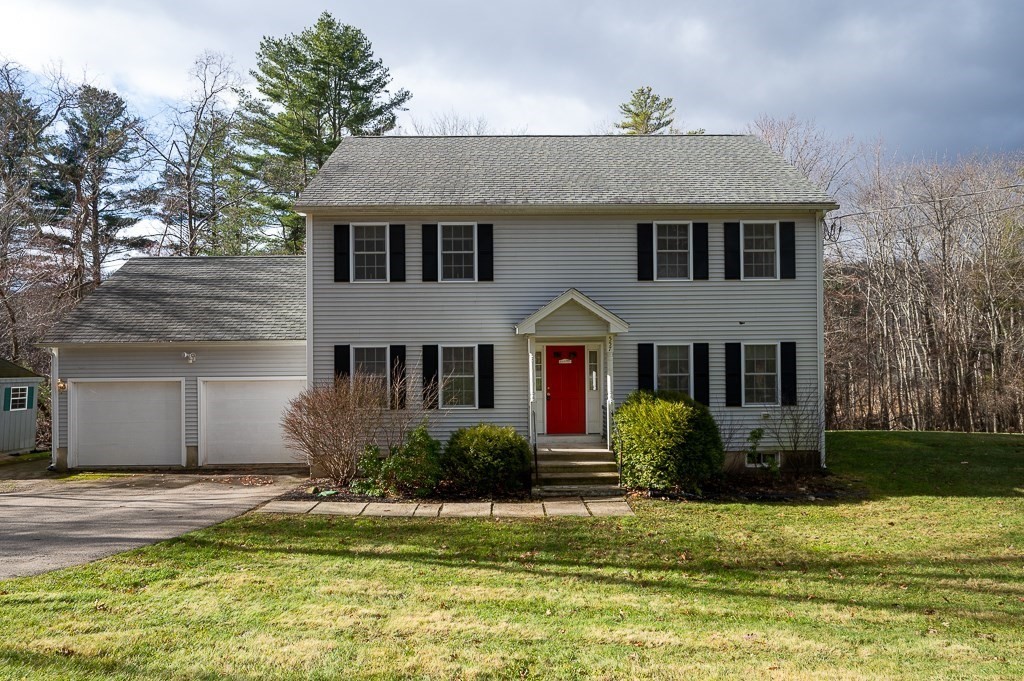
{"x": 486, "y": 460}
{"x": 411, "y": 469}
{"x": 666, "y": 441}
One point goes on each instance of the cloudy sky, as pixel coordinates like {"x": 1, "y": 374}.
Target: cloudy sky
{"x": 931, "y": 78}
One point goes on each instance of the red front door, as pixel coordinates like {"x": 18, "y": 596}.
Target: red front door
{"x": 566, "y": 389}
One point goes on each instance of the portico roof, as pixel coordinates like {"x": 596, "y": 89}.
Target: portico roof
{"x": 615, "y": 323}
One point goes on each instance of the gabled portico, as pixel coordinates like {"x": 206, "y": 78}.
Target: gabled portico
{"x": 570, "y": 344}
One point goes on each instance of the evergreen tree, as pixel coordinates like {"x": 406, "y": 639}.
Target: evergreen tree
{"x": 646, "y": 113}
{"x": 94, "y": 170}
{"x": 314, "y": 88}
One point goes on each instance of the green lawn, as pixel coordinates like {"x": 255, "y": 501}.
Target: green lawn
{"x": 925, "y": 579}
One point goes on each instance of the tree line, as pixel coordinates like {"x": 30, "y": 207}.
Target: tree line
{"x": 924, "y": 284}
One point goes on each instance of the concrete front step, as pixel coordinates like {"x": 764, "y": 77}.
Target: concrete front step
{"x": 579, "y": 478}
{"x": 575, "y": 456}
{"x": 585, "y": 491}
{"x": 546, "y": 467}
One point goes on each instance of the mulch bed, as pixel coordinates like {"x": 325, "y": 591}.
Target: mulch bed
{"x": 305, "y": 493}
{"x": 809, "y": 487}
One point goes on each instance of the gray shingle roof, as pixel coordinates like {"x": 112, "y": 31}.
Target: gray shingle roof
{"x": 557, "y": 171}
{"x": 193, "y": 299}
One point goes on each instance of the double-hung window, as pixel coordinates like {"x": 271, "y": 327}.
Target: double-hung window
{"x": 369, "y": 252}
{"x": 673, "y": 368}
{"x": 19, "y": 398}
{"x": 371, "y": 361}
{"x": 458, "y": 252}
{"x": 760, "y": 250}
{"x": 760, "y": 374}
{"x": 672, "y": 249}
{"x": 459, "y": 374}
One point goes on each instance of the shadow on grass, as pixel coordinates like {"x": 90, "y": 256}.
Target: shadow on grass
{"x": 899, "y": 464}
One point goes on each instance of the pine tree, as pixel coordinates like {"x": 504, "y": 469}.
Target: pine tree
{"x": 646, "y": 113}
{"x": 314, "y": 88}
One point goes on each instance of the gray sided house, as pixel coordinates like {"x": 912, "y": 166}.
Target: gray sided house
{"x": 181, "y": 362}
{"x": 544, "y": 278}
{"x": 19, "y": 393}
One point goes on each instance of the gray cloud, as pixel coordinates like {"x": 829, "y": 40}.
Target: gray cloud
{"x": 931, "y": 78}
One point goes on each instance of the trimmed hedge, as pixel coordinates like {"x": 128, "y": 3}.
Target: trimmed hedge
{"x": 486, "y": 460}
{"x": 666, "y": 441}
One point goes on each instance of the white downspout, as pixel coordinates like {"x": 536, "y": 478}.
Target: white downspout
{"x": 54, "y": 405}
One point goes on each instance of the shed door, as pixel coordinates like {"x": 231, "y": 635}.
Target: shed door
{"x": 130, "y": 423}
{"x": 242, "y": 421}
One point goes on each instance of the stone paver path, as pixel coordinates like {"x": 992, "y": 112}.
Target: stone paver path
{"x": 577, "y": 507}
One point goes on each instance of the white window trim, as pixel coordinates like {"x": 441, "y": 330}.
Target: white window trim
{"x": 440, "y": 255}
{"x": 372, "y": 346}
{"x": 689, "y": 250}
{"x": 25, "y": 397}
{"x": 743, "y": 375}
{"x": 777, "y": 455}
{"x": 689, "y": 350}
{"x": 352, "y": 252}
{"x": 476, "y": 377}
{"x": 778, "y": 262}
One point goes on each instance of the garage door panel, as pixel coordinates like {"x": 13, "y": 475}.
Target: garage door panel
{"x": 132, "y": 423}
{"x": 242, "y": 421}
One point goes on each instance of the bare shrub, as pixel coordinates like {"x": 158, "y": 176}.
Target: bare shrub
{"x": 331, "y": 425}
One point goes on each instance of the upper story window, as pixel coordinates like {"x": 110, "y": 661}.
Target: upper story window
{"x": 369, "y": 252}
{"x": 673, "y": 368}
{"x": 458, "y": 252}
{"x": 19, "y": 398}
{"x": 672, "y": 248}
{"x": 760, "y": 250}
{"x": 458, "y": 367}
{"x": 761, "y": 374}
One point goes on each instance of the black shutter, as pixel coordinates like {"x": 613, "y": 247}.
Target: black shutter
{"x": 341, "y": 254}
{"x": 701, "y": 374}
{"x": 787, "y": 371}
{"x": 31, "y": 396}
{"x": 398, "y": 377}
{"x": 645, "y": 366}
{"x": 429, "y": 252}
{"x": 485, "y": 252}
{"x": 700, "y": 250}
{"x": 430, "y": 377}
{"x": 645, "y": 252}
{"x": 396, "y": 246}
{"x": 485, "y": 367}
{"x": 787, "y": 250}
{"x": 342, "y": 360}
{"x": 733, "y": 375}
{"x": 733, "y": 250}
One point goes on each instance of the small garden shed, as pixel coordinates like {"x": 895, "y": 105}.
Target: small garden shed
{"x": 19, "y": 389}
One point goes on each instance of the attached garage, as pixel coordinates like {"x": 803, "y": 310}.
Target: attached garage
{"x": 177, "y": 362}
{"x": 240, "y": 420}
{"x": 127, "y": 423}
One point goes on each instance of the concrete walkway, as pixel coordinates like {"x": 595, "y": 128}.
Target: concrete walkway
{"x": 579, "y": 507}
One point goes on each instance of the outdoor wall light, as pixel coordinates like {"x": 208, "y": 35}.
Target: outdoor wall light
{"x": 61, "y": 385}
{"x": 189, "y": 357}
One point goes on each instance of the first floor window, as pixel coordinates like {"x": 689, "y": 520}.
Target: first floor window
{"x": 592, "y": 368}
{"x": 19, "y": 398}
{"x": 538, "y": 371}
{"x": 370, "y": 362}
{"x": 673, "y": 249}
{"x": 760, "y": 374}
{"x": 674, "y": 368}
{"x": 458, "y": 252}
{"x": 370, "y": 252}
{"x": 759, "y": 250}
{"x": 458, "y": 368}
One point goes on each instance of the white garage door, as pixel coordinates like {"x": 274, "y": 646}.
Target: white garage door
{"x": 130, "y": 423}
{"x": 242, "y": 420}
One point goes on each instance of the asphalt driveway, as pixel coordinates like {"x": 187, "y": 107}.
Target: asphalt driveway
{"x": 46, "y": 523}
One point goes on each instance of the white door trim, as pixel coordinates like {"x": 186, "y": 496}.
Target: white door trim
{"x": 73, "y": 410}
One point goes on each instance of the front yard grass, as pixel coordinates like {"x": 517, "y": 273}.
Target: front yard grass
{"x": 923, "y": 579}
